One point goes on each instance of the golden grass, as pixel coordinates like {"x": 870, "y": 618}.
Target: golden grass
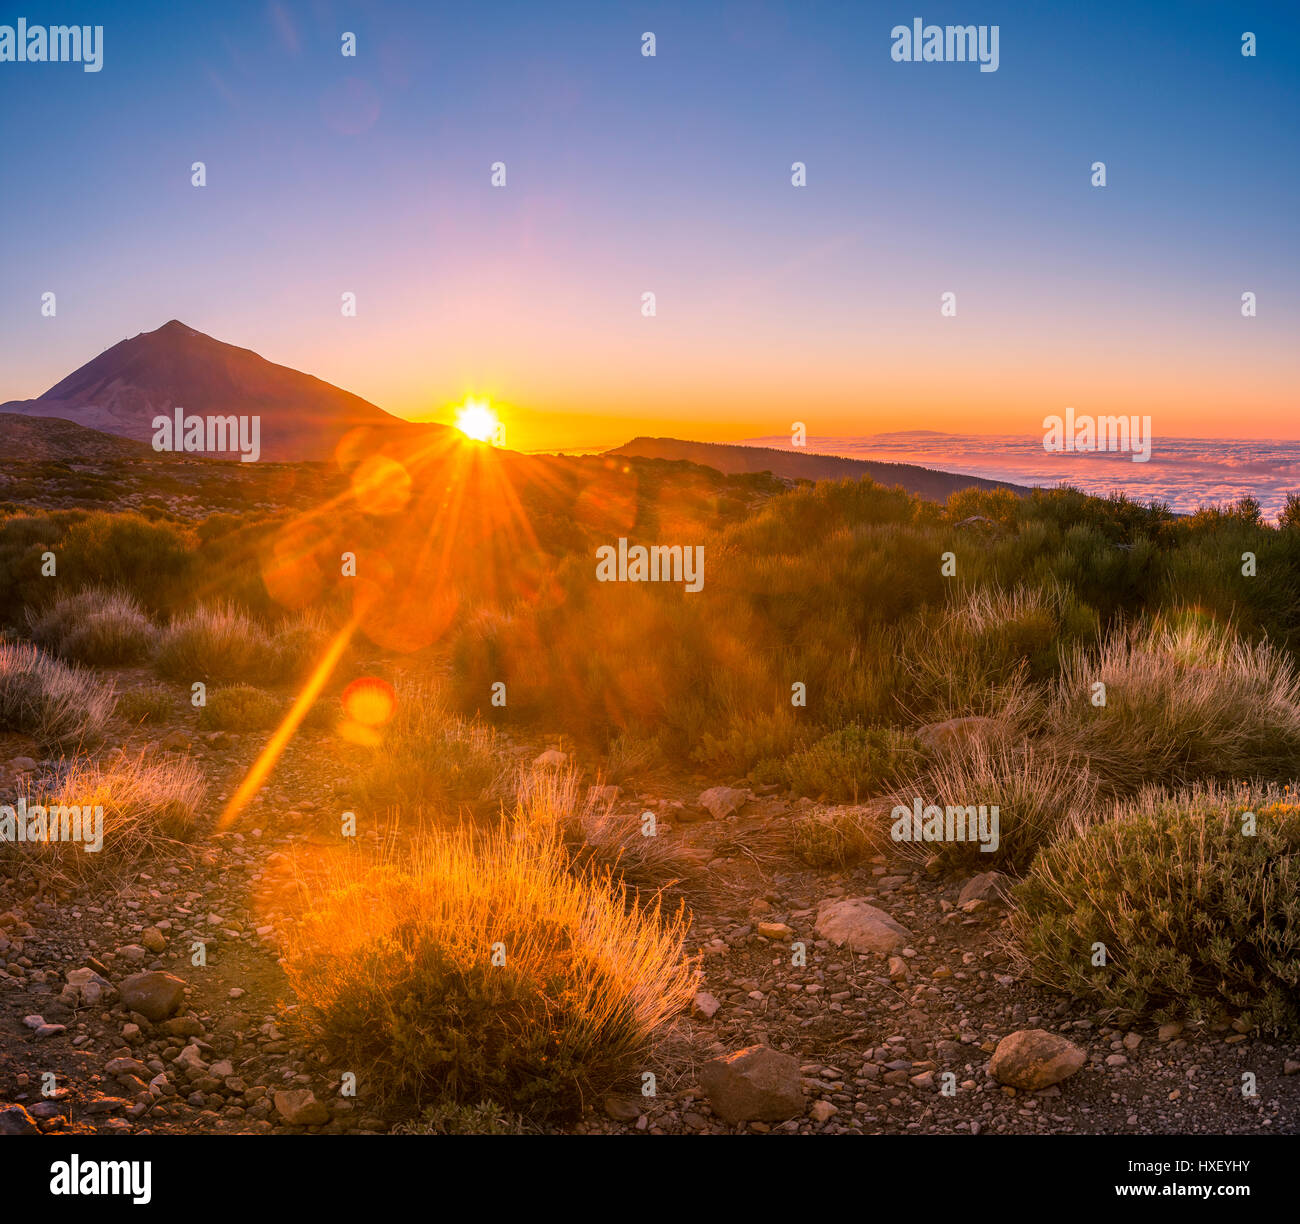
{"x": 393, "y": 964}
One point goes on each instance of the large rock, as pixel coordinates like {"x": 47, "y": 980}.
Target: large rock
{"x": 15, "y": 1120}
{"x": 956, "y": 733}
{"x": 154, "y": 995}
{"x": 854, "y": 921}
{"x": 721, "y": 801}
{"x": 299, "y": 1107}
{"x": 1034, "y": 1058}
{"x": 756, "y": 1084}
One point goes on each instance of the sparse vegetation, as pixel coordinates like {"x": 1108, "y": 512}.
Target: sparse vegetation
{"x": 555, "y": 802}
{"x": 431, "y": 757}
{"x": 149, "y": 704}
{"x": 148, "y": 801}
{"x": 485, "y": 970}
{"x": 241, "y": 707}
{"x": 58, "y": 705}
{"x": 837, "y": 837}
{"x": 1035, "y": 793}
{"x": 1184, "y": 701}
{"x": 212, "y": 642}
{"x": 94, "y": 626}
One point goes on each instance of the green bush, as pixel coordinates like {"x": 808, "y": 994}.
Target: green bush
{"x": 852, "y": 763}
{"x": 240, "y": 707}
{"x": 151, "y": 703}
{"x": 1195, "y": 914}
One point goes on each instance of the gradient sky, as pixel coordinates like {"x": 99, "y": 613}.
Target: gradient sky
{"x": 672, "y": 174}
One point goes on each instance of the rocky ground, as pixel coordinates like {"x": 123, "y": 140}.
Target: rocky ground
{"x": 902, "y": 1014}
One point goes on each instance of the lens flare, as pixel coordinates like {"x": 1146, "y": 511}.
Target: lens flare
{"x": 369, "y": 701}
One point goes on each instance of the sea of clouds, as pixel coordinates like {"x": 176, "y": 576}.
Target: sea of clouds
{"x": 1183, "y": 472}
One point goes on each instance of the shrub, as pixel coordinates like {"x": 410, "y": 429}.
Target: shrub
{"x": 430, "y": 757}
{"x": 1034, "y": 791}
{"x": 1184, "y": 702}
{"x": 837, "y": 837}
{"x": 213, "y": 642}
{"x": 554, "y": 802}
{"x": 853, "y": 762}
{"x": 94, "y": 626}
{"x": 296, "y": 648}
{"x": 146, "y": 800}
{"x": 56, "y": 704}
{"x": 393, "y": 970}
{"x": 239, "y": 708}
{"x": 974, "y": 655}
{"x": 1196, "y": 916}
{"x": 152, "y": 561}
{"x": 152, "y": 703}
{"x": 484, "y": 1118}
{"x": 750, "y": 741}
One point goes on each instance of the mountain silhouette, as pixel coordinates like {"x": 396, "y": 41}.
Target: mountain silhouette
{"x": 733, "y": 459}
{"x": 123, "y": 389}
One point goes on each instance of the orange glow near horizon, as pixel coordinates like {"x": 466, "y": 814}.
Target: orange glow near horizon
{"x": 477, "y": 419}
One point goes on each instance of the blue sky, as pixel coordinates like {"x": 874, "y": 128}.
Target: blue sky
{"x": 672, "y": 174}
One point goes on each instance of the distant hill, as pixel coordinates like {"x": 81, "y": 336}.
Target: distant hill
{"x": 125, "y": 387}
{"x": 799, "y": 465}
{"x": 41, "y": 439}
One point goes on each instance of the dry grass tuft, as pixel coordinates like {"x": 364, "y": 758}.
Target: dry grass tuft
{"x": 477, "y": 969}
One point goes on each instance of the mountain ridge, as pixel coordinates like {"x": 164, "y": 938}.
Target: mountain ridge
{"x": 121, "y": 390}
{"x": 733, "y": 459}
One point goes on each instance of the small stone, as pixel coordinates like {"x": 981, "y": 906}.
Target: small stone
{"x": 622, "y": 1109}
{"x": 1034, "y": 1058}
{"x": 722, "y": 801}
{"x": 191, "y": 1059}
{"x": 154, "y": 995}
{"x": 774, "y": 930}
{"x": 299, "y": 1107}
{"x": 1167, "y": 1032}
{"x": 704, "y": 1004}
{"x": 822, "y": 1112}
{"x": 979, "y": 887}
{"x": 153, "y": 939}
{"x": 854, "y": 921}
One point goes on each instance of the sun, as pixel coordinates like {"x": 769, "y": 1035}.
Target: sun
{"x": 476, "y": 419}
